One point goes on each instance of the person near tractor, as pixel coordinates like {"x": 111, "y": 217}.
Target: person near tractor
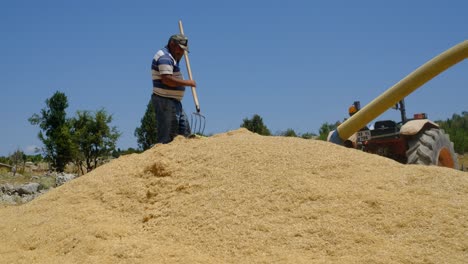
{"x": 352, "y": 141}
{"x": 169, "y": 89}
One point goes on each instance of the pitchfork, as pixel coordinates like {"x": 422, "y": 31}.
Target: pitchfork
{"x": 197, "y": 120}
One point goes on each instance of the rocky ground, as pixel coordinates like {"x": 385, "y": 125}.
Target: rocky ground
{"x": 15, "y": 193}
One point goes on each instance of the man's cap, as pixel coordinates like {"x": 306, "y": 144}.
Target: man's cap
{"x": 180, "y": 39}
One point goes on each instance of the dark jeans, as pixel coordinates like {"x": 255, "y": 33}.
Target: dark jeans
{"x": 171, "y": 119}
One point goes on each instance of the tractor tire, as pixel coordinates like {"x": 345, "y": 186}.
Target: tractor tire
{"x": 432, "y": 147}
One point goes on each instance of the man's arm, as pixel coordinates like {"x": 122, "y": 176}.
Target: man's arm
{"x": 171, "y": 81}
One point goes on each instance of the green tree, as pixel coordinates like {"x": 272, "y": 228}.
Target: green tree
{"x": 18, "y": 160}
{"x": 93, "y": 138}
{"x": 308, "y": 135}
{"x": 4, "y": 160}
{"x": 35, "y": 158}
{"x": 147, "y": 134}
{"x": 118, "y": 152}
{"x": 325, "y": 130}
{"x": 18, "y": 157}
{"x": 55, "y": 132}
{"x": 457, "y": 128}
{"x": 256, "y": 125}
{"x": 289, "y": 133}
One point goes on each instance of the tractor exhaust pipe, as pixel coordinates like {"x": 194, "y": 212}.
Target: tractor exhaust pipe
{"x": 399, "y": 91}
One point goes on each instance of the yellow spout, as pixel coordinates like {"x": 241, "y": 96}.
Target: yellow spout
{"x": 400, "y": 90}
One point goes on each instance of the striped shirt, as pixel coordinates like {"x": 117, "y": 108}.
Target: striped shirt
{"x": 164, "y": 63}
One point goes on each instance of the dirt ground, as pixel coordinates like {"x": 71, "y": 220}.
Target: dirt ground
{"x": 238, "y": 197}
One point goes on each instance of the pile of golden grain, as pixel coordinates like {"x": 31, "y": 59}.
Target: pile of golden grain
{"x": 239, "y": 197}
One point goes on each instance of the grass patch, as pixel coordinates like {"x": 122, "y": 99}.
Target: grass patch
{"x": 45, "y": 182}
{"x": 15, "y": 180}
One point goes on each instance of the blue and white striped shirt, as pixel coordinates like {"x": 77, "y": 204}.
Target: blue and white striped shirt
{"x": 164, "y": 63}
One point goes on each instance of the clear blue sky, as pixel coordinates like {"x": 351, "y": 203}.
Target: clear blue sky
{"x": 297, "y": 64}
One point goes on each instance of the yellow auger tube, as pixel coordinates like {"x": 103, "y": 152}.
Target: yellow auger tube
{"x": 400, "y": 90}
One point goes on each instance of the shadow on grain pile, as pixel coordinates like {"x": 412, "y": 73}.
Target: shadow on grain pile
{"x": 239, "y": 197}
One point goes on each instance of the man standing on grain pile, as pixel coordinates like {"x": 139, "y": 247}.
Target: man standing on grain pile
{"x": 169, "y": 89}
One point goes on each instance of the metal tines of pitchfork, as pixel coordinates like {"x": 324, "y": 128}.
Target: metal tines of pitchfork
{"x": 197, "y": 123}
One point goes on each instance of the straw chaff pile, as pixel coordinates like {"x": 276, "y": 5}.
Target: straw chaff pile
{"x": 239, "y": 197}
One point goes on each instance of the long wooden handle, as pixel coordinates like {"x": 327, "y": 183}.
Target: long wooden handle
{"x": 189, "y": 70}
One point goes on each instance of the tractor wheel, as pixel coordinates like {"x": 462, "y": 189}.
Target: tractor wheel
{"x": 432, "y": 147}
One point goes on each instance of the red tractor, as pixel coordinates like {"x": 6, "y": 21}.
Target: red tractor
{"x": 411, "y": 141}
